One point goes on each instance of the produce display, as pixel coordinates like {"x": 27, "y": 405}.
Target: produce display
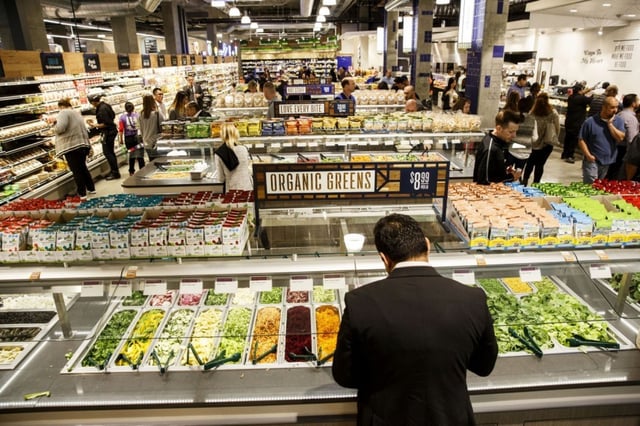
{"x": 327, "y": 326}
{"x": 165, "y": 300}
{"x": 109, "y": 339}
{"x": 266, "y": 333}
{"x": 18, "y": 334}
{"x": 244, "y": 296}
{"x": 29, "y": 301}
{"x": 517, "y": 286}
{"x": 141, "y": 336}
{"x": 549, "y": 315}
{"x": 215, "y": 299}
{"x": 203, "y": 337}
{"x": 297, "y": 296}
{"x": 298, "y": 338}
{"x": 26, "y": 317}
{"x": 137, "y": 298}
{"x": 8, "y": 354}
{"x": 623, "y": 187}
{"x": 634, "y": 286}
{"x": 323, "y": 295}
{"x": 190, "y": 299}
{"x": 574, "y": 189}
{"x": 234, "y": 333}
{"x": 169, "y": 343}
{"x": 271, "y": 297}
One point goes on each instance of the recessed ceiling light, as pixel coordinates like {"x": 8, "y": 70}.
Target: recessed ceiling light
{"x": 606, "y": 4}
{"x": 573, "y": 10}
{"x": 630, "y": 15}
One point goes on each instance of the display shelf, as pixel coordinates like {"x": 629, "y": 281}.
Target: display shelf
{"x": 17, "y": 97}
{"x": 24, "y": 148}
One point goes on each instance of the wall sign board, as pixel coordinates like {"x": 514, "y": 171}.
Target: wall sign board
{"x": 123, "y": 61}
{"x": 52, "y": 63}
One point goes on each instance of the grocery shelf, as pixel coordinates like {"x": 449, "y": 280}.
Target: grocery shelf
{"x": 23, "y": 148}
{"x": 16, "y": 97}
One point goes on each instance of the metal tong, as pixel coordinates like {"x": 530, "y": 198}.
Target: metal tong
{"x": 578, "y": 340}
{"x": 162, "y": 366}
{"x": 308, "y": 356}
{"x": 257, "y": 359}
{"x": 528, "y": 341}
{"x": 222, "y": 359}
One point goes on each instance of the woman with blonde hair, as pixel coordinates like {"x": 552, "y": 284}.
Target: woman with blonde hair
{"x": 232, "y": 161}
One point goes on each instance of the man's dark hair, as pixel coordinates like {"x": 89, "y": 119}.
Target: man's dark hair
{"x": 628, "y": 100}
{"x": 605, "y": 85}
{"x": 522, "y": 77}
{"x": 156, "y": 90}
{"x": 399, "y": 237}
{"x": 506, "y": 116}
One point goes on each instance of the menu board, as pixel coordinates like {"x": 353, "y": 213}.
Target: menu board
{"x": 91, "y": 62}
{"x": 123, "y": 61}
{"x": 52, "y": 63}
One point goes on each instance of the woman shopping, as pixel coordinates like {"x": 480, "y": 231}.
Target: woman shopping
{"x": 149, "y": 125}
{"x": 232, "y": 161}
{"x": 72, "y": 141}
{"x": 128, "y": 132}
{"x": 548, "y": 129}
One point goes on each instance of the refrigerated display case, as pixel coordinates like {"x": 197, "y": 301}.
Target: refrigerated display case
{"x": 557, "y": 301}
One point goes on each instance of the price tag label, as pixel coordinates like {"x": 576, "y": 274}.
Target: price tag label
{"x": 442, "y": 141}
{"x": 362, "y": 142}
{"x": 312, "y": 144}
{"x": 301, "y": 283}
{"x": 258, "y": 145}
{"x": 334, "y": 281}
{"x": 66, "y": 289}
{"x": 389, "y": 143}
{"x": 455, "y": 141}
{"x": 343, "y": 143}
{"x": 192, "y": 286}
{"x": 530, "y": 274}
{"x": 131, "y": 272}
{"x": 602, "y": 255}
{"x": 287, "y": 144}
{"x": 120, "y": 288}
{"x": 92, "y": 289}
{"x": 260, "y": 283}
{"x": 480, "y": 260}
{"x": 429, "y": 142}
{"x": 600, "y": 271}
{"x": 567, "y": 256}
{"x": 34, "y": 276}
{"x": 276, "y": 145}
{"x": 226, "y": 285}
{"x": 153, "y": 287}
{"x": 464, "y": 276}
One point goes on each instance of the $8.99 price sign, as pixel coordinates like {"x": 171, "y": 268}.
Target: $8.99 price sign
{"x": 418, "y": 180}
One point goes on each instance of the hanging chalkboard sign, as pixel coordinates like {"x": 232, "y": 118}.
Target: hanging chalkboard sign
{"x": 123, "y": 61}
{"x": 184, "y": 59}
{"x": 146, "y": 61}
{"x": 192, "y": 59}
{"x": 52, "y": 63}
{"x": 91, "y": 62}
{"x": 204, "y": 59}
{"x": 174, "y": 61}
{"x": 161, "y": 62}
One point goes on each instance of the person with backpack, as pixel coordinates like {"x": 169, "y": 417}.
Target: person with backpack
{"x": 105, "y": 121}
{"x": 547, "y": 123}
{"x": 130, "y": 137}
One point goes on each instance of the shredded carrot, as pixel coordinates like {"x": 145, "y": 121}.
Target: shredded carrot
{"x": 327, "y": 325}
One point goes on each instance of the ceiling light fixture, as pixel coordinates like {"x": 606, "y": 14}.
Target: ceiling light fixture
{"x": 234, "y": 12}
{"x": 600, "y": 31}
{"x": 329, "y": 2}
{"x": 630, "y": 15}
{"x": 321, "y": 19}
{"x": 260, "y": 30}
{"x": 254, "y": 25}
{"x": 324, "y": 11}
{"x": 317, "y": 26}
{"x": 443, "y": 2}
{"x": 245, "y": 19}
{"x": 573, "y": 10}
{"x": 218, "y": 3}
{"x": 606, "y": 4}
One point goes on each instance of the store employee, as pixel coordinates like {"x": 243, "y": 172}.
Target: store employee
{"x": 348, "y": 87}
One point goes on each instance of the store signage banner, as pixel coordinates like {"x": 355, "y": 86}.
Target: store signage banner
{"x": 174, "y": 61}
{"x": 309, "y": 89}
{"x": 52, "y": 63}
{"x": 161, "y": 61}
{"x": 91, "y": 62}
{"x": 326, "y": 182}
{"x": 624, "y": 56}
{"x": 123, "y": 62}
{"x": 146, "y": 61}
{"x": 422, "y": 180}
{"x": 303, "y": 108}
{"x": 151, "y": 45}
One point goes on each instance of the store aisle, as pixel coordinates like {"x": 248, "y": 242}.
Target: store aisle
{"x": 108, "y": 187}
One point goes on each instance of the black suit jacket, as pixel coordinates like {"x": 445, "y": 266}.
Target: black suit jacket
{"x": 191, "y": 93}
{"x": 406, "y": 343}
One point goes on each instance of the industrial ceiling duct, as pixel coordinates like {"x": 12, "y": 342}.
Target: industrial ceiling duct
{"x": 306, "y": 6}
{"x": 96, "y": 9}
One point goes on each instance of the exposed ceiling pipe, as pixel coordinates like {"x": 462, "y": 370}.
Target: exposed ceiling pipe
{"x": 96, "y": 9}
{"x": 306, "y": 7}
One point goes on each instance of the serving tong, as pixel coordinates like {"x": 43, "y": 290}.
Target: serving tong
{"x": 578, "y": 340}
{"x": 527, "y": 340}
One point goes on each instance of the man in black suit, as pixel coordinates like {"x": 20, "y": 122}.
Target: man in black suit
{"x": 193, "y": 89}
{"x": 407, "y": 341}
